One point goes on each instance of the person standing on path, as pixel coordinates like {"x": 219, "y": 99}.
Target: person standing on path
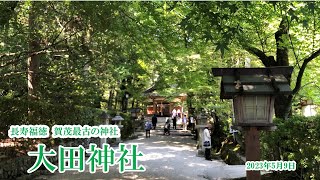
{"x": 174, "y": 122}
{"x": 191, "y": 123}
{"x": 173, "y": 113}
{"x": 207, "y": 142}
{"x": 148, "y": 127}
{"x": 179, "y": 113}
{"x": 154, "y": 121}
{"x": 184, "y": 122}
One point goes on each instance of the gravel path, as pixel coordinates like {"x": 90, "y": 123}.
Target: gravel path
{"x": 166, "y": 157}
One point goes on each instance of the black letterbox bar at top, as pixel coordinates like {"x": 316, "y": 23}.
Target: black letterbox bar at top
{"x": 285, "y": 70}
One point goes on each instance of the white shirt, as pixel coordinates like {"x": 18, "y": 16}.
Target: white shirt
{"x": 174, "y": 112}
{"x": 206, "y": 135}
{"x": 191, "y": 120}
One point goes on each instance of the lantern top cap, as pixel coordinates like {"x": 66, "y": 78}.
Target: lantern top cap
{"x": 254, "y": 81}
{"x": 135, "y": 110}
{"x": 117, "y": 118}
{"x": 105, "y": 115}
{"x": 277, "y": 70}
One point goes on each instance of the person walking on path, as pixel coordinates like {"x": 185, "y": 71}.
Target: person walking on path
{"x": 174, "y": 122}
{"x": 207, "y": 142}
{"x": 148, "y": 127}
{"x": 154, "y": 121}
{"x": 166, "y": 130}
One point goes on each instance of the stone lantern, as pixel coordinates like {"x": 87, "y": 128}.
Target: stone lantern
{"x": 105, "y": 119}
{"x": 308, "y": 108}
{"x": 135, "y": 112}
{"x": 134, "y": 115}
{"x": 201, "y": 122}
{"x": 253, "y": 91}
{"x": 117, "y": 120}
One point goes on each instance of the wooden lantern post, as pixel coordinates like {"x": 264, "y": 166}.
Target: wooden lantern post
{"x": 253, "y": 91}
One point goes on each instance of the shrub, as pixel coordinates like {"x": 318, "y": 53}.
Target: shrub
{"x": 15, "y": 112}
{"x": 127, "y": 129}
{"x": 12, "y": 111}
{"x": 298, "y": 139}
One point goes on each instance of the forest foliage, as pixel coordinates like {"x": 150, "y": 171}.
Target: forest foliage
{"x": 65, "y": 62}
{"x": 296, "y": 139}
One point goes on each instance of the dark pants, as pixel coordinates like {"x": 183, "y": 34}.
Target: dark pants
{"x": 207, "y": 153}
{"x": 154, "y": 125}
{"x": 166, "y": 131}
{"x": 192, "y": 126}
{"x": 147, "y": 133}
{"x": 174, "y": 123}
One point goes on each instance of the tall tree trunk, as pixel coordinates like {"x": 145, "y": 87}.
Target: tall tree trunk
{"x": 132, "y": 103}
{"x": 283, "y": 103}
{"x": 282, "y": 106}
{"x": 124, "y": 103}
{"x": 189, "y": 103}
{"x": 123, "y": 98}
{"x": 110, "y": 100}
{"x": 33, "y": 63}
{"x": 116, "y": 101}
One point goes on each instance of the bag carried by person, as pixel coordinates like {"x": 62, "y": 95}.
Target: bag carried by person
{"x": 206, "y": 143}
{"x": 148, "y": 126}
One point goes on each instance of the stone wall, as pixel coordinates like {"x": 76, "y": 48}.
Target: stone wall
{"x": 12, "y": 168}
{"x": 16, "y": 167}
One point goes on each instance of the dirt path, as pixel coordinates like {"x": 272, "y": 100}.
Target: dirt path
{"x": 166, "y": 157}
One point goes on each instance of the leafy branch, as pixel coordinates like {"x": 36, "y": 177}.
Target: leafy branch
{"x": 31, "y": 53}
{"x": 302, "y": 69}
